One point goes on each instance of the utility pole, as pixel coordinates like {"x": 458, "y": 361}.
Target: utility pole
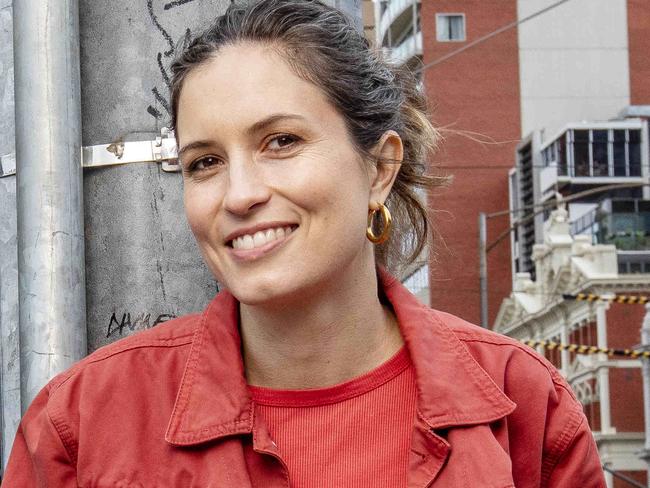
{"x": 645, "y": 372}
{"x": 482, "y": 252}
{"x": 51, "y": 277}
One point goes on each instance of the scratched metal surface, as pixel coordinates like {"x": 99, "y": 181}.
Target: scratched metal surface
{"x": 142, "y": 264}
{"x": 9, "y": 347}
{"x": 10, "y": 353}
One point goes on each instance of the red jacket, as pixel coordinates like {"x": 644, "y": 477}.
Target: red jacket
{"x": 170, "y": 407}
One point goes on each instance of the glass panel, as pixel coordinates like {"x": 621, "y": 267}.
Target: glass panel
{"x": 456, "y": 28}
{"x": 635, "y": 152}
{"x": 619, "y": 153}
{"x": 623, "y": 206}
{"x": 561, "y": 156}
{"x": 581, "y": 152}
{"x": 599, "y": 152}
{"x": 442, "y": 30}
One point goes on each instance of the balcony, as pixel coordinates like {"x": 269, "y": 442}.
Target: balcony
{"x": 410, "y": 48}
{"x": 596, "y": 153}
{"x": 627, "y": 231}
{"x": 396, "y": 17}
{"x": 625, "y": 223}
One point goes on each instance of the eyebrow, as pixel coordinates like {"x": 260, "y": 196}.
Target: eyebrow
{"x": 256, "y": 127}
{"x": 270, "y": 120}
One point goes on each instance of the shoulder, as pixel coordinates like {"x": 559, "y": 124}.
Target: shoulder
{"x": 505, "y": 357}
{"x": 158, "y": 344}
{"x": 546, "y": 407}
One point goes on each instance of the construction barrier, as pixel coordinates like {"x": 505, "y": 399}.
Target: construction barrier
{"x": 583, "y": 349}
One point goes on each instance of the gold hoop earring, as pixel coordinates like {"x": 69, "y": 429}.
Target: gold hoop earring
{"x": 388, "y": 222}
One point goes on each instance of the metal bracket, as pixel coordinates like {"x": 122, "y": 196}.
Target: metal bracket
{"x": 161, "y": 150}
{"x": 7, "y": 165}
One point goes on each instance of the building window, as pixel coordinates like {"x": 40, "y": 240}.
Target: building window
{"x": 450, "y": 27}
{"x": 597, "y": 152}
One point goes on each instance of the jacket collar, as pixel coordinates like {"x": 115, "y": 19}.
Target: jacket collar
{"x": 213, "y": 400}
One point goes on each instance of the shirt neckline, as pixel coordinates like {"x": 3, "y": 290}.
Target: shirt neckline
{"x": 337, "y": 393}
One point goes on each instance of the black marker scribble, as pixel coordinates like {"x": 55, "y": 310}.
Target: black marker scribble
{"x": 162, "y": 100}
{"x": 176, "y": 3}
{"x": 154, "y": 112}
{"x": 163, "y": 71}
{"x": 140, "y": 322}
{"x": 164, "y": 33}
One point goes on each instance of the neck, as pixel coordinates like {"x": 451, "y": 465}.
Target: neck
{"x": 340, "y": 332}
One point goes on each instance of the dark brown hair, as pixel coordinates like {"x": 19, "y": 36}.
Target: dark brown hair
{"x": 323, "y": 47}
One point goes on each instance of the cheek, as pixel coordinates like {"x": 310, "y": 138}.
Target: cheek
{"x": 200, "y": 207}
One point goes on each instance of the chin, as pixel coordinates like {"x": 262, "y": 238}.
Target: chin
{"x": 274, "y": 288}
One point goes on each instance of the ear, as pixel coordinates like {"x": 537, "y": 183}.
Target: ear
{"x": 389, "y": 153}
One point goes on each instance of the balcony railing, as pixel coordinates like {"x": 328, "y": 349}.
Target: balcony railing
{"x": 627, "y": 231}
{"x": 394, "y": 10}
{"x": 408, "y": 49}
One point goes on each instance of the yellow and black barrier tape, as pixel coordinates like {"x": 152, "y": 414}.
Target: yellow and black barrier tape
{"x": 590, "y": 297}
{"x": 584, "y": 349}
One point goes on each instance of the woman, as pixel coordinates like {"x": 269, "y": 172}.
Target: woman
{"x": 315, "y": 368}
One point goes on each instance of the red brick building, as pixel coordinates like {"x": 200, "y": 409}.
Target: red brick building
{"x": 522, "y": 90}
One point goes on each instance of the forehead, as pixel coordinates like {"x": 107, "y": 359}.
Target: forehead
{"x": 242, "y": 84}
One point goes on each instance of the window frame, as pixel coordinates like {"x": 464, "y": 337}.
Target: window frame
{"x": 570, "y": 147}
{"x": 439, "y": 16}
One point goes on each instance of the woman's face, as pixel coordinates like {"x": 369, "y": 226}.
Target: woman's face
{"x": 275, "y": 193}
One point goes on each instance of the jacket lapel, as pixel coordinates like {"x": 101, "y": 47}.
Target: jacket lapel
{"x": 213, "y": 400}
{"x": 453, "y": 389}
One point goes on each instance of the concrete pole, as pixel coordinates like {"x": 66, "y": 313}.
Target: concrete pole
{"x": 603, "y": 370}
{"x": 482, "y": 251}
{"x": 49, "y": 190}
{"x": 645, "y": 371}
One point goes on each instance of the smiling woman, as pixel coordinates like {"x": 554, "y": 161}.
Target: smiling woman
{"x": 314, "y": 367}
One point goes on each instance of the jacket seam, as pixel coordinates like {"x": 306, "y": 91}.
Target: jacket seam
{"x": 64, "y": 432}
{"x": 164, "y": 343}
{"x": 563, "y": 441}
{"x": 188, "y": 376}
{"x": 67, "y": 440}
{"x": 551, "y": 370}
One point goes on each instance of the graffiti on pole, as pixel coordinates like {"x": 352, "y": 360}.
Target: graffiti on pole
{"x": 141, "y": 321}
{"x": 164, "y": 55}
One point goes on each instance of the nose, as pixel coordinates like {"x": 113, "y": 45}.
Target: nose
{"x": 247, "y": 188}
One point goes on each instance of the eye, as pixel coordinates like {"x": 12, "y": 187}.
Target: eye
{"x": 282, "y": 141}
{"x": 205, "y": 162}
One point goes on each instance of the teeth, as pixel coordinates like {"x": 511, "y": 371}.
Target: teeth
{"x": 260, "y": 238}
{"x": 247, "y": 242}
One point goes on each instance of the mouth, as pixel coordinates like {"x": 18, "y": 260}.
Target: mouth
{"x": 261, "y": 239}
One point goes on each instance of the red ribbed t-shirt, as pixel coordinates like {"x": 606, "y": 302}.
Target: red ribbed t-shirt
{"x": 356, "y": 434}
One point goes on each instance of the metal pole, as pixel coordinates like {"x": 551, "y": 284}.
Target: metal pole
{"x": 10, "y": 368}
{"x": 9, "y": 346}
{"x": 51, "y": 283}
{"x": 482, "y": 251}
{"x": 645, "y": 372}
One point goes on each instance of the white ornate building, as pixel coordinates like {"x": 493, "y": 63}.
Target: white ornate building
{"x": 608, "y": 387}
